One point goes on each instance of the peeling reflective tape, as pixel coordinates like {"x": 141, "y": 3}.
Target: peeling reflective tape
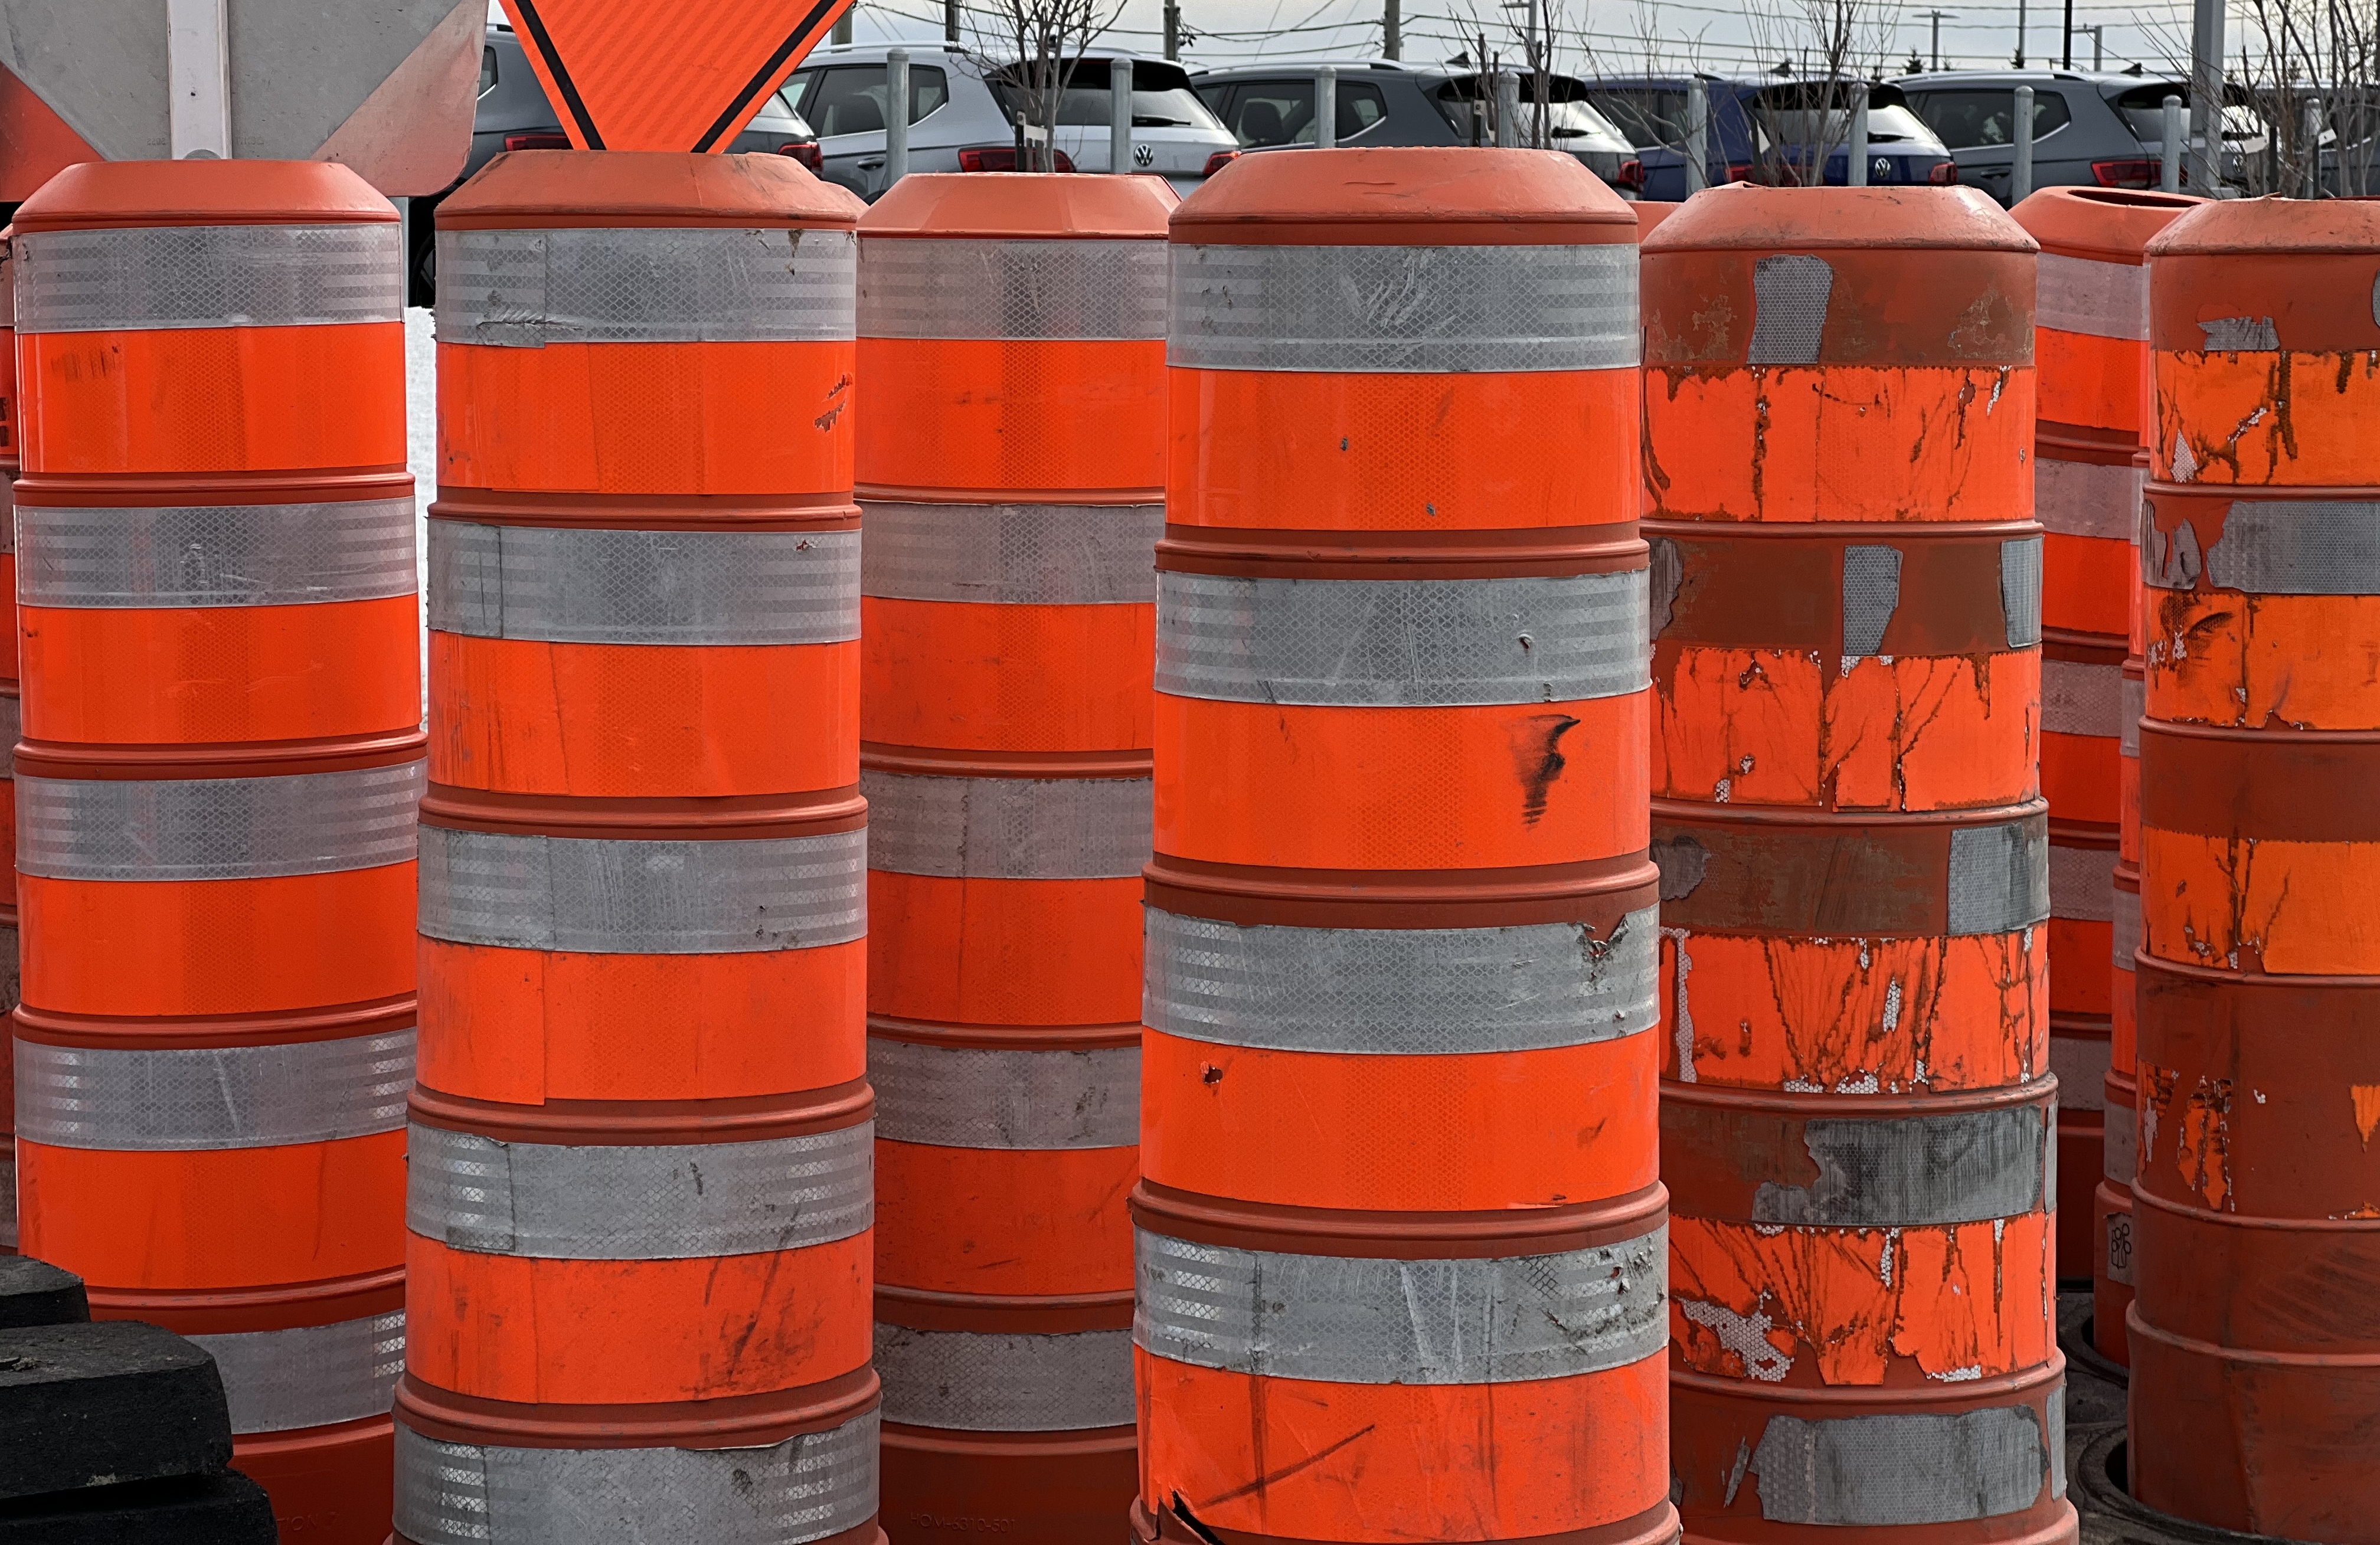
{"x": 2081, "y": 884}
{"x": 1008, "y": 828}
{"x": 2120, "y": 1150}
{"x": 2081, "y": 1063}
{"x": 205, "y": 555}
{"x": 217, "y": 828}
{"x": 1871, "y": 595}
{"x": 912, "y": 287}
{"x": 12, "y": 730}
{"x": 2136, "y": 708}
{"x": 1403, "y": 643}
{"x": 2088, "y": 499}
{"x": 808, "y": 1487}
{"x": 1912, "y": 1171}
{"x": 2106, "y": 300}
{"x": 206, "y": 1099}
{"x": 1401, "y": 992}
{"x": 2082, "y": 697}
{"x": 608, "y": 895}
{"x": 2272, "y": 547}
{"x": 309, "y": 1375}
{"x": 670, "y": 1201}
{"x": 1881, "y": 1470}
{"x": 966, "y": 1382}
{"x": 2021, "y": 591}
{"x": 1011, "y": 554}
{"x": 573, "y": 584}
{"x": 1790, "y": 295}
{"x": 1403, "y": 309}
{"x": 2240, "y": 335}
{"x": 525, "y": 289}
{"x": 8, "y": 1194}
{"x": 146, "y": 277}
{"x": 1999, "y": 877}
{"x": 1352, "y": 1321}
{"x": 2125, "y": 914}
{"x": 989, "y": 1097}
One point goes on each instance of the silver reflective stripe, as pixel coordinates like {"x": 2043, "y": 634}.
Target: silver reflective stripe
{"x": 1915, "y": 1171}
{"x": 1008, "y": 828}
{"x": 574, "y": 584}
{"x": 1403, "y": 643}
{"x": 2240, "y": 335}
{"x": 12, "y": 730}
{"x": 2272, "y": 547}
{"x": 1011, "y": 554}
{"x": 1790, "y": 294}
{"x": 144, "y": 277}
{"x": 309, "y": 1375}
{"x": 2120, "y": 1151}
{"x": 217, "y": 828}
{"x": 2081, "y": 884}
{"x": 1353, "y": 1320}
{"x": 2106, "y": 300}
{"x": 1403, "y": 309}
{"x": 2125, "y": 912}
{"x": 951, "y": 287}
{"x": 1401, "y": 992}
{"x": 2088, "y": 499}
{"x": 969, "y": 1382}
{"x": 201, "y": 555}
{"x": 2135, "y": 707}
{"x": 806, "y": 1488}
{"x": 989, "y": 1097}
{"x": 525, "y": 289}
{"x": 2082, "y": 697}
{"x": 1871, "y": 595}
{"x": 608, "y": 895}
{"x": 1880, "y": 1471}
{"x": 1999, "y": 877}
{"x": 204, "y": 1098}
{"x": 8, "y": 1193}
{"x": 2081, "y": 1063}
{"x": 2021, "y": 591}
{"x": 670, "y": 1201}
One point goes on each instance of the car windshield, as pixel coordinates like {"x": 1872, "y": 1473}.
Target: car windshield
{"x": 1162, "y": 97}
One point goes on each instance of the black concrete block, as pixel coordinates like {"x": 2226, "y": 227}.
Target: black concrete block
{"x": 225, "y": 1509}
{"x": 36, "y": 1292}
{"x": 106, "y": 1403}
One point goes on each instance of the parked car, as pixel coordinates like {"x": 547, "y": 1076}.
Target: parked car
{"x": 1770, "y": 131}
{"x": 1174, "y": 134}
{"x": 2090, "y": 128}
{"x": 1271, "y": 107}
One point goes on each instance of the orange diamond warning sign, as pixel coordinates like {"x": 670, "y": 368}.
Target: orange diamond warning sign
{"x": 630, "y": 75}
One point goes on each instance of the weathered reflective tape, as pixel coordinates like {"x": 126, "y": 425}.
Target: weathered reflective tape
{"x": 2240, "y": 335}
{"x": 2082, "y": 697}
{"x": 1403, "y": 309}
{"x": 2136, "y": 708}
{"x": 12, "y": 730}
{"x": 8, "y": 504}
{"x": 2081, "y": 884}
{"x": 2088, "y": 499}
{"x": 201, "y": 1099}
{"x": 1913, "y": 1171}
{"x": 2119, "y": 1153}
{"x": 2272, "y": 547}
{"x": 969, "y": 1382}
{"x": 1790, "y": 295}
{"x": 2081, "y": 1063}
{"x": 1401, "y": 992}
{"x": 611, "y": 895}
{"x": 1999, "y": 877}
{"x": 309, "y": 1375}
{"x": 1881, "y": 1470}
{"x": 805, "y": 1488}
{"x": 2106, "y": 300}
{"x": 990, "y": 1097}
{"x": 669, "y": 1201}
{"x": 217, "y": 828}
{"x": 574, "y": 585}
{"x": 1871, "y": 595}
{"x": 2124, "y": 912}
{"x": 142, "y": 277}
{"x": 1008, "y": 828}
{"x": 1403, "y": 643}
{"x": 1011, "y": 554}
{"x": 1352, "y": 1321}
{"x": 8, "y": 1194}
{"x": 205, "y": 555}
{"x": 912, "y": 287}
{"x": 2021, "y": 591}
{"x": 525, "y": 289}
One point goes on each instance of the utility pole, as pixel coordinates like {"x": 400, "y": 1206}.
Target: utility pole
{"x": 2206, "y": 98}
{"x": 1392, "y": 44}
{"x": 1938, "y": 17}
{"x": 842, "y": 27}
{"x": 950, "y": 22}
{"x": 2020, "y": 34}
{"x": 2067, "y": 52}
{"x": 1172, "y": 29}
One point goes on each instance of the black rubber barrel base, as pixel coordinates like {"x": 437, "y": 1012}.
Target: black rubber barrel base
{"x": 101, "y": 1405}
{"x": 2110, "y": 1517}
{"x": 226, "y": 1509}
{"x": 36, "y": 1292}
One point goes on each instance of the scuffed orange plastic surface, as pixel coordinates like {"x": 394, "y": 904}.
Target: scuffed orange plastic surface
{"x": 2078, "y": 945}
{"x": 1003, "y": 1220}
{"x": 2229, "y": 903}
{"x": 966, "y": 677}
{"x": 2083, "y": 585}
{"x": 2098, "y": 383}
{"x": 2080, "y": 778}
{"x": 999, "y": 417}
{"x": 2306, "y": 662}
{"x": 1011, "y": 952}
{"x": 2281, "y": 419}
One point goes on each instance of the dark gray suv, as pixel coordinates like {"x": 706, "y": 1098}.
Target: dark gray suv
{"x": 2090, "y": 129}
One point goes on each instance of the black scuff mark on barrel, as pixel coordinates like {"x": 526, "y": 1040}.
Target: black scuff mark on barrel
{"x": 1265, "y": 1480}
{"x": 1537, "y": 759}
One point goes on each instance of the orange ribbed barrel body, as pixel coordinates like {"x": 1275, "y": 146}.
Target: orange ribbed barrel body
{"x": 2255, "y": 1348}
{"x": 11, "y": 727}
{"x": 1857, "y": 1111}
{"x": 640, "y": 1189}
{"x": 217, "y": 781}
{"x": 1012, "y": 470}
{"x": 1400, "y": 1236}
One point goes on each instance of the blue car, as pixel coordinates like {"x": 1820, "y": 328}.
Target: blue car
{"x": 1782, "y": 132}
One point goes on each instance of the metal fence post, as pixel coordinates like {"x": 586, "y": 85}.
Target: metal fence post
{"x": 2170, "y": 153}
{"x": 1326, "y": 108}
{"x": 2020, "y": 181}
{"x": 897, "y": 115}
{"x": 1120, "y": 115}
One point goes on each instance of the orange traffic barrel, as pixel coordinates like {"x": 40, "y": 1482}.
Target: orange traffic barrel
{"x": 638, "y": 1211}
{"x": 1400, "y": 1243}
{"x": 1012, "y": 470}
{"x": 216, "y": 788}
{"x": 1857, "y": 1113}
{"x": 11, "y": 727}
{"x": 2255, "y": 1354}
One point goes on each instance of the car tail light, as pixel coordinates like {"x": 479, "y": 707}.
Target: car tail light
{"x": 2126, "y": 173}
{"x": 1631, "y": 175}
{"x": 1003, "y": 157}
{"x": 806, "y": 152}
{"x": 1944, "y": 174}
{"x": 1219, "y": 160}
{"x": 537, "y": 141}
{"x": 1739, "y": 171}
